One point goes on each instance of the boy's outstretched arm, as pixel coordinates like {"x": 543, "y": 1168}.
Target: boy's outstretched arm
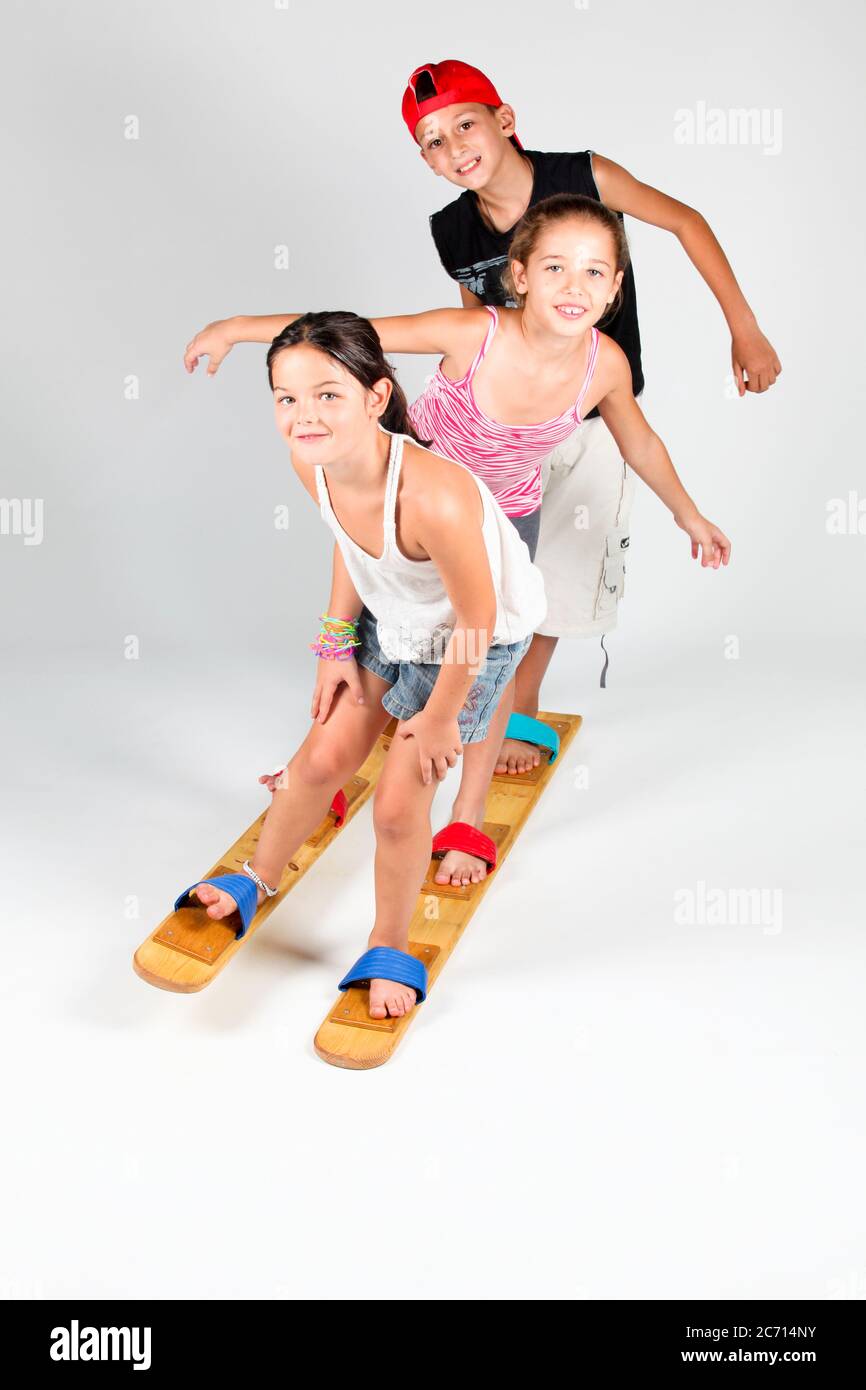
{"x": 755, "y": 361}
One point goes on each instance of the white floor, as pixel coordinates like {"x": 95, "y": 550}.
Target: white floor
{"x": 598, "y": 1100}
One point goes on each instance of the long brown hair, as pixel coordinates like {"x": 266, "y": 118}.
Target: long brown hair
{"x": 353, "y": 342}
{"x": 556, "y": 209}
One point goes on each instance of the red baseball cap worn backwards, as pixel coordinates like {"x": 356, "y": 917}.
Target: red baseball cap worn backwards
{"x": 449, "y": 83}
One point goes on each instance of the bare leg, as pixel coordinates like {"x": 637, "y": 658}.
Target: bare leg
{"x": 328, "y": 756}
{"x": 479, "y": 761}
{"x": 401, "y": 816}
{"x": 515, "y": 755}
{"x": 497, "y": 754}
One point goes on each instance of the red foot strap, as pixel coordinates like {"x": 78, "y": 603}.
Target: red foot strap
{"x": 339, "y": 807}
{"x": 459, "y": 835}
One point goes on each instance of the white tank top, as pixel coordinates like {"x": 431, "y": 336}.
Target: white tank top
{"x": 414, "y": 615}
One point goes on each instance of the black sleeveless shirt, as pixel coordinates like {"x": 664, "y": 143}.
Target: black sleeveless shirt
{"x": 474, "y": 255}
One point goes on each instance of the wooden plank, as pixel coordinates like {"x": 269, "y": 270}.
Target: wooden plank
{"x": 358, "y": 1041}
{"x": 188, "y": 949}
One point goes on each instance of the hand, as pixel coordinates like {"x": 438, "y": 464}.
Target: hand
{"x": 330, "y": 676}
{"x": 714, "y": 544}
{"x": 213, "y": 342}
{"x": 439, "y": 743}
{"x": 753, "y": 356}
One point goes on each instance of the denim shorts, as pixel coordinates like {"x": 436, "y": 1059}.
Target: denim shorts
{"x": 412, "y": 681}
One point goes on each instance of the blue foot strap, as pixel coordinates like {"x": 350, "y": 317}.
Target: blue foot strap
{"x": 242, "y": 889}
{"x": 384, "y": 963}
{"x": 530, "y": 730}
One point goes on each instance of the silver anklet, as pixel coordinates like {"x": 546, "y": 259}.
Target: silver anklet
{"x": 271, "y": 892}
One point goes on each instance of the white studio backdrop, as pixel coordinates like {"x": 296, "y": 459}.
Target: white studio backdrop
{"x": 272, "y": 125}
{"x": 683, "y": 1113}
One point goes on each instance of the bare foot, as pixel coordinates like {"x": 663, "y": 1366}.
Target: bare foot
{"x": 457, "y": 867}
{"x": 218, "y": 902}
{"x": 515, "y": 756}
{"x": 390, "y": 1000}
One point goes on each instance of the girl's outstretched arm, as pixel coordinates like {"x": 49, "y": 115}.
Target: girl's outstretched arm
{"x": 642, "y": 449}
{"x": 754, "y": 359}
{"x": 449, "y": 332}
{"x": 216, "y": 340}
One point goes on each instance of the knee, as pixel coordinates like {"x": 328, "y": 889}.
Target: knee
{"x": 319, "y": 764}
{"x": 392, "y": 817}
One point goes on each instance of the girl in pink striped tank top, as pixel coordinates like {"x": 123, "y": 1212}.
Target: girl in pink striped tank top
{"x": 507, "y": 457}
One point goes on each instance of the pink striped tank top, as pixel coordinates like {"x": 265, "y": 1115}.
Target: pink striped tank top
{"x": 506, "y": 457}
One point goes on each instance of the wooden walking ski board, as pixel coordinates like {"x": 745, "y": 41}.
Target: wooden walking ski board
{"x": 349, "y": 1037}
{"x": 189, "y": 949}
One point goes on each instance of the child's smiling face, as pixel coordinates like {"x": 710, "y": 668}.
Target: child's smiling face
{"x": 466, "y": 143}
{"x": 321, "y": 409}
{"x": 570, "y": 277}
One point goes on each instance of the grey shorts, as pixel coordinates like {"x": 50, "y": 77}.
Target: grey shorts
{"x": 412, "y": 681}
{"x": 527, "y": 528}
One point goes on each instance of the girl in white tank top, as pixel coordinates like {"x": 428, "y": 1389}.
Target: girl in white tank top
{"x": 335, "y": 395}
{"x": 415, "y": 616}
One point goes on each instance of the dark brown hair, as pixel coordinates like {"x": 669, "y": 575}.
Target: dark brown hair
{"x": 352, "y": 341}
{"x": 556, "y": 209}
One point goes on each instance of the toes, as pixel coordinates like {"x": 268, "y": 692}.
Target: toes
{"x": 376, "y": 1006}
{"x": 223, "y": 907}
{"x": 389, "y": 1000}
{"x": 217, "y": 903}
{"x": 470, "y": 873}
{"x": 212, "y": 899}
{"x": 462, "y": 875}
{"x": 445, "y": 872}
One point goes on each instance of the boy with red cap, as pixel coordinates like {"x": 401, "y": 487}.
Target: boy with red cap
{"x": 466, "y": 134}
